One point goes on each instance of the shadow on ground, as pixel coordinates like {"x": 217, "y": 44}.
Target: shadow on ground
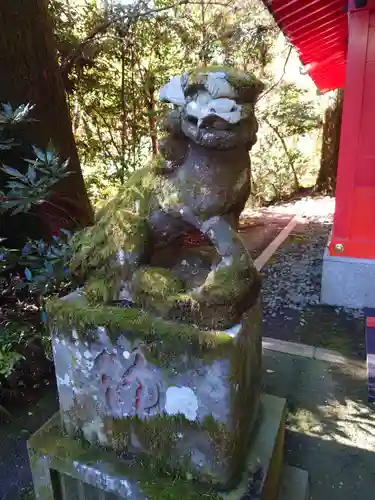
{"x": 15, "y": 475}
{"x": 331, "y": 426}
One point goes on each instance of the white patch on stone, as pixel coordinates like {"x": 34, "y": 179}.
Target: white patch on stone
{"x": 128, "y": 488}
{"x": 95, "y": 428}
{"x": 102, "y": 435}
{"x": 102, "y": 335}
{"x": 126, "y": 354}
{"x": 87, "y": 355}
{"x": 89, "y": 365}
{"x": 64, "y": 380}
{"x": 181, "y": 400}
{"x": 227, "y": 109}
{"x": 74, "y": 334}
{"x": 121, "y": 257}
{"x": 234, "y": 330}
{"x": 172, "y": 92}
{"x": 218, "y": 86}
{"x": 203, "y": 98}
{"x": 125, "y": 292}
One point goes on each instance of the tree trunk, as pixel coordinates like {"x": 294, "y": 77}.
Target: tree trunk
{"x": 326, "y": 181}
{"x": 29, "y": 72}
{"x": 151, "y": 110}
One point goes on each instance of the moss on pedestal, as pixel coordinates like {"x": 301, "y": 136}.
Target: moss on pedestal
{"x": 157, "y": 289}
{"x": 50, "y": 444}
{"x": 160, "y": 442}
{"x": 136, "y": 324}
{"x": 176, "y": 489}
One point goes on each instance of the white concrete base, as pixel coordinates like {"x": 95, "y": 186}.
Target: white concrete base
{"x": 348, "y": 282}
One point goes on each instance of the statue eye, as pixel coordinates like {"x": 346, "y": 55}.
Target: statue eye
{"x": 233, "y": 109}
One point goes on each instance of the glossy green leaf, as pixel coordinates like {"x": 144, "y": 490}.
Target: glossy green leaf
{"x": 13, "y": 173}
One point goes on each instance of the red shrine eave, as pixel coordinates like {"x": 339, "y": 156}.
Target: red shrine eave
{"x": 319, "y": 31}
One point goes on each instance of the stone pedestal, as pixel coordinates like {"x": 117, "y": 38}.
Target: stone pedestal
{"x": 64, "y": 469}
{"x": 180, "y": 398}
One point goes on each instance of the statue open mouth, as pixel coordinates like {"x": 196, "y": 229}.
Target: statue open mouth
{"x": 214, "y": 132}
{"x": 212, "y": 122}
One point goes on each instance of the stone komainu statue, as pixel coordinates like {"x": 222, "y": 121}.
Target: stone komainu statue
{"x": 175, "y": 377}
{"x": 200, "y": 182}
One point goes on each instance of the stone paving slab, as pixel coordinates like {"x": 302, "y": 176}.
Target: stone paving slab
{"x": 286, "y": 347}
{"x": 295, "y": 484}
{"x": 331, "y": 426}
{"x": 308, "y": 351}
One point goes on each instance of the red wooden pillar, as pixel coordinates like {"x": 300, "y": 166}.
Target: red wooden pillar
{"x": 353, "y": 232}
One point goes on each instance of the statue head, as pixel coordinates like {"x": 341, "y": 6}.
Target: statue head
{"x": 216, "y": 106}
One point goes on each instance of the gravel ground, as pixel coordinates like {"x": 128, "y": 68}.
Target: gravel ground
{"x": 291, "y": 288}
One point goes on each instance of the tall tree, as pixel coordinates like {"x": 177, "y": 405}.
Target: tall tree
{"x": 326, "y": 181}
{"x": 29, "y": 73}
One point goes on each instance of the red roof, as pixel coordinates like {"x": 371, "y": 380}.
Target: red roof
{"x": 319, "y": 31}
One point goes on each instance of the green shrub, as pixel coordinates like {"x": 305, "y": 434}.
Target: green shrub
{"x": 29, "y": 274}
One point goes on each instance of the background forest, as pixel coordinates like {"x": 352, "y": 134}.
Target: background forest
{"x": 93, "y": 74}
{"x": 113, "y": 81}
